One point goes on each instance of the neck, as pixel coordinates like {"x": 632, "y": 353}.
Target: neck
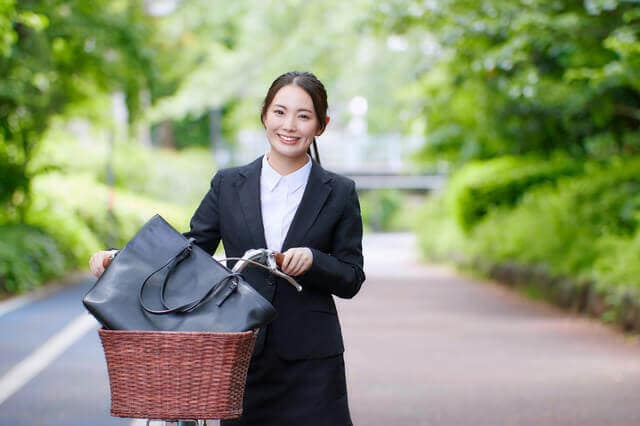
{"x": 285, "y": 165}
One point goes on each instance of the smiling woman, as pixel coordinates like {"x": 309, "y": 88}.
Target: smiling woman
{"x": 291, "y": 126}
{"x": 293, "y": 114}
{"x": 287, "y": 202}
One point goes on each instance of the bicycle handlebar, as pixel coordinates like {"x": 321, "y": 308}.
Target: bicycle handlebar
{"x": 266, "y": 259}
{"x": 279, "y": 259}
{"x": 249, "y": 257}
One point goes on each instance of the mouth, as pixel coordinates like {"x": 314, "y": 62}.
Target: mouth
{"x": 288, "y": 140}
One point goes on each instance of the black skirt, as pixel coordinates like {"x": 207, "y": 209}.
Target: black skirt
{"x": 301, "y": 392}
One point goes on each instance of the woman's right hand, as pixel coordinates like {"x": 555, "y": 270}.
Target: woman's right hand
{"x": 96, "y": 262}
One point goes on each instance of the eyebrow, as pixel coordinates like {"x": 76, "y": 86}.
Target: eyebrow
{"x": 301, "y": 109}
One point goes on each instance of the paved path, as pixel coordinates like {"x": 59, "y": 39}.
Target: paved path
{"x": 427, "y": 347}
{"x": 424, "y": 347}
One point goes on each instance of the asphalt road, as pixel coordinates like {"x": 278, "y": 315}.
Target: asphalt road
{"x": 428, "y": 347}
{"x": 424, "y": 347}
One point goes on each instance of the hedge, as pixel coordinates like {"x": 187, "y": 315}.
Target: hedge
{"x": 70, "y": 216}
{"x": 28, "y": 257}
{"x": 575, "y": 236}
{"x": 482, "y": 186}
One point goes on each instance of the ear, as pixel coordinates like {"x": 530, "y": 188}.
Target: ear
{"x": 326, "y": 123}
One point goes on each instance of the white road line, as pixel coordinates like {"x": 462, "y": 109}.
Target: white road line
{"x": 31, "y": 366}
{"x": 39, "y": 293}
{"x": 15, "y": 303}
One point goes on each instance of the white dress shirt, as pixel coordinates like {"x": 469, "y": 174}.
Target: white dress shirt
{"x": 280, "y": 197}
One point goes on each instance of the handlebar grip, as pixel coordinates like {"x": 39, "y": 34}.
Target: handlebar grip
{"x": 279, "y": 258}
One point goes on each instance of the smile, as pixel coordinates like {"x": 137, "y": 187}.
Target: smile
{"x": 288, "y": 139}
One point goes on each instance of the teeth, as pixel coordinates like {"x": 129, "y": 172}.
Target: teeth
{"x": 287, "y": 138}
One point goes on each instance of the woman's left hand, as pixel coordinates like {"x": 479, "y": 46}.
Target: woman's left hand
{"x": 297, "y": 261}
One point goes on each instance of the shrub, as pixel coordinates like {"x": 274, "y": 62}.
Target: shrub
{"x": 568, "y": 228}
{"x": 438, "y": 233}
{"x": 576, "y": 241}
{"x": 619, "y": 262}
{"x": 73, "y": 214}
{"x": 481, "y": 187}
{"x": 177, "y": 177}
{"x": 69, "y": 221}
{"x": 180, "y": 177}
{"x": 379, "y": 209}
{"x": 80, "y": 206}
{"x": 27, "y": 258}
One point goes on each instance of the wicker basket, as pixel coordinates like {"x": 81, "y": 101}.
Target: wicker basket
{"x": 177, "y": 375}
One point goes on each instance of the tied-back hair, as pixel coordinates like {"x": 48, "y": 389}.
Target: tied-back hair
{"x": 316, "y": 154}
{"x": 314, "y": 88}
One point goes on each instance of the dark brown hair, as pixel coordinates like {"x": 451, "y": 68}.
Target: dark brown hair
{"x": 309, "y": 83}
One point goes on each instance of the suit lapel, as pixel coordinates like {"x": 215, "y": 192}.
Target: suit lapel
{"x": 249, "y": 193}
{"x": 314, "y": 197}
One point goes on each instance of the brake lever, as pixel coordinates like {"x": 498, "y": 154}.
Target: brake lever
{"x": 273, "y": 259}
{"x": 289, "y": 279}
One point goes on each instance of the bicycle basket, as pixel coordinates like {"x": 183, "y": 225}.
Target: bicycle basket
{"x": 177, "y": 375}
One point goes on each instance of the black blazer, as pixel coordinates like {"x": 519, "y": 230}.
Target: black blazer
{"x": 327, "y": 221}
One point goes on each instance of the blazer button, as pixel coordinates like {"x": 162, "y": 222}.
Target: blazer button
{"x": 271, "y": 281}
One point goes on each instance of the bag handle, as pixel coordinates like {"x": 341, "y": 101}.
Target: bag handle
{"x": 194, "y": 304}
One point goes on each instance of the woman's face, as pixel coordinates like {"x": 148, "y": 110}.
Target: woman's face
{"x": 291, "y": 123}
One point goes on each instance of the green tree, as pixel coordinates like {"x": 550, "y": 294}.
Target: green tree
{"x": 56, "y": 54}
{"x": 527, "y": 76}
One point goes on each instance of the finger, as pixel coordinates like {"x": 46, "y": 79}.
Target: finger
{"x": 287, "y": 259}
{"x": 95, "y": 271}
{"x": 94, "y": 259}
{"x": 295, "y": 266}
{"x": 295, "y": 262}
{"x": 302, "y": 265}
{"x": 300, "y": 261}
{"x": 299, "y": 270}
{"x": 308, "y": 261}
{"x": 92, "y": 265}
{"x": 95, "y": 265}
{"x": 291, "y": 266}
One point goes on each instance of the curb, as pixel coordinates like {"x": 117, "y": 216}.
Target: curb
{"x": 616, "y": 306}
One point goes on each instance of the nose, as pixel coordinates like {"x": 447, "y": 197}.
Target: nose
{"x": 289, "y": 123}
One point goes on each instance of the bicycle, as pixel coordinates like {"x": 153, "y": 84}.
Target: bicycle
{"x": 264, "y": 258}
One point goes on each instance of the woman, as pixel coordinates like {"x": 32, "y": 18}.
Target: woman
{"x": 287, "y": 202}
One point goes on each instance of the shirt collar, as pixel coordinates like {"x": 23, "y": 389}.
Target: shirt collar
{"x": 270, "y": 178}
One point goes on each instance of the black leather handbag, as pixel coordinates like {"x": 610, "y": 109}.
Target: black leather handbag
{"x": 162, "y": 281}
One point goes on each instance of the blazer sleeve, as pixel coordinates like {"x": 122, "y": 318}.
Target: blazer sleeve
{"x": 341, "y": 271}
{"x": 205, "y": 223}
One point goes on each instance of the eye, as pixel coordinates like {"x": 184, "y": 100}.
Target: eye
{"x": 304, "y": 117}
{"x": 278, "y": 112}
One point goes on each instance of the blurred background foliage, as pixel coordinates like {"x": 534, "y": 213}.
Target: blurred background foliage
{"x": 527, "y": 76}
{"x": 531, "y": 107}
